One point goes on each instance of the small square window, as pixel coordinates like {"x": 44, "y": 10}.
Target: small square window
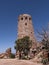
{"x": 31, "y": 32}
{"x": 25, "y": 23}
{"x": 25, "y": 17}
{"x": 21, "y": 18}
{"x": 29, "y": 18}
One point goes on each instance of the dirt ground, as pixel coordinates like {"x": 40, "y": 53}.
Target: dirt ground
{"x": 17, "y": 62}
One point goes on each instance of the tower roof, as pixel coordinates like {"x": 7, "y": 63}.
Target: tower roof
{"x": 25, "y": 15}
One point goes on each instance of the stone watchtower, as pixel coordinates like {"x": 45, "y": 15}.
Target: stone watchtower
{"x": 25, "y": 27}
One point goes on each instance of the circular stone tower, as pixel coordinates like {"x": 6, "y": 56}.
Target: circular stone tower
{"x": 25, "y": 27}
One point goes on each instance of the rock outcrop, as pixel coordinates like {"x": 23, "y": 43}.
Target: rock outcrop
{"x": 6, "y": 54}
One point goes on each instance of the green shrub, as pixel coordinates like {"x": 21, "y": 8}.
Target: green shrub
{"x": 12, "y": 55}
{"x": 44, "y": 61}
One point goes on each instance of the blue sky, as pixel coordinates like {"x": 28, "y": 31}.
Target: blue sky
{"x": 9, "y": 12}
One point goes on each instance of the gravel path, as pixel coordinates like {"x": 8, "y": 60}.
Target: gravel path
{"x": 17, "y": 62}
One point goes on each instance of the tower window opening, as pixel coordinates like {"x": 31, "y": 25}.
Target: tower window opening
{"x": 31, "y": 32}
{"x": 25, "y": 23}
{"x": 21, "y": 18}
{"x": 29, "y": 18}
{"x": 25, "y": 18}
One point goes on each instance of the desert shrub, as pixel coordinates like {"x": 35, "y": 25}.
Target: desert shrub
{"x": 12, "y": 55}
{"x": 44, "y": 61}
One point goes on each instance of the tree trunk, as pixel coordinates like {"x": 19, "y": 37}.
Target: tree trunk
{"x": 19, "y": 55}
